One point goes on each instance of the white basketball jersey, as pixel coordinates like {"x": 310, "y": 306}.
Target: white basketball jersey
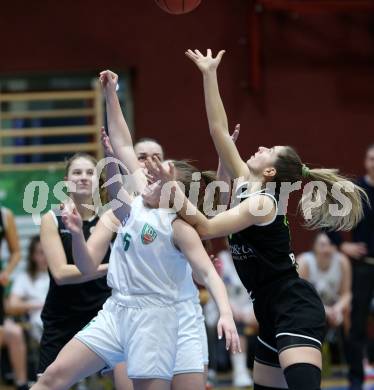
{"x": 144, "y": 261}
{"x": 327, "y": 283}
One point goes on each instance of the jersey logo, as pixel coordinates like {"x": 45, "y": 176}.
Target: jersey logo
{"x": 149, "y": 234}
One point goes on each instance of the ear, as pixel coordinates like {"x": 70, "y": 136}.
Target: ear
{"x": 269, "y": 172}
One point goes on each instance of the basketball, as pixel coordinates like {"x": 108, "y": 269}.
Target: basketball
{"x": 178, "y": 7}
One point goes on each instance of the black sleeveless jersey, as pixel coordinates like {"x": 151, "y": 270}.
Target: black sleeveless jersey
{"x": 74, "y": 299}
{"x": 262, "y": 254}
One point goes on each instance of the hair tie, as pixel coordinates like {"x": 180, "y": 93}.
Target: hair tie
{"x": 305, "y": 171}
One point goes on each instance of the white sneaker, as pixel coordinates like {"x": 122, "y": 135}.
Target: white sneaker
{"x": 242, "y": 378}
{"x": 240, "y": 373}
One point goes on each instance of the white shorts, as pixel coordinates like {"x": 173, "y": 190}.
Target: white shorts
{"x": 203, "y": 335}
{"x": 189, "y": 348}
{"x": 144, "y": 336}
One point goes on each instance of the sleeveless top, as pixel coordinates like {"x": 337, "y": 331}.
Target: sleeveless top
{"x": 328, "y": 282}
{"x": 262, "y": 254}
{"x": 144, "y": 263}
{"x": 75, "y": 299}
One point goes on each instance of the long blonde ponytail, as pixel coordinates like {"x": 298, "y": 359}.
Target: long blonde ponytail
{"x": 324, "y": 190}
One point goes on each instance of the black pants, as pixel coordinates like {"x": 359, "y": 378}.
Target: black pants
{"x": 362, "y": 292}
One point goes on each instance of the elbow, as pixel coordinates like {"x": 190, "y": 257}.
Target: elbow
{"x": 217, "y": 128}
{"x": 204, "y": 232}
{"x": 59, "y": 279}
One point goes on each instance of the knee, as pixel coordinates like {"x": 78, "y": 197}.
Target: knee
{"x": 14, "y": 335}
{"x": 54, "y": 377}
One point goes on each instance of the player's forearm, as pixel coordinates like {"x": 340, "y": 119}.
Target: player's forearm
{"x": 82, "y": 257}
{"x": 190, "y": 213}
{"x": 112, "y": 172}
{"x": 70, "y": 274}
{"x": 217, "y": 289}
{"x": 13, "y": 261}
{"x": 216, "y": 113}
{"x": 119, "y": 132}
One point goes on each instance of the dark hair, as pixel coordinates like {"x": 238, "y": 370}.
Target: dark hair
{"x": 148, "y": 139}
{"x": 102, "y": 191}
{"x": 289, "y": 168}
{"x": 371, "y": 146}
{"x": 32, "y": 267}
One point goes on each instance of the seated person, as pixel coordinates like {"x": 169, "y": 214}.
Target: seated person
{"x": 27, "y": 296}
{"x": 30, "y": 288}
{"x": 330, "y": 273}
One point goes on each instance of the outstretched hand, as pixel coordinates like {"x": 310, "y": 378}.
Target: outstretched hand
{"x": 205, "y": 63}
{"x": 156, "y": 171}
{"x": 71, "y": 218}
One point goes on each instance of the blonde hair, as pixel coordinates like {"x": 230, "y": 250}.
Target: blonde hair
{"x": 290, "y": 168}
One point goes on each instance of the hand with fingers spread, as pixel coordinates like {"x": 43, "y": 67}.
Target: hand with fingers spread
{"x": 158, "y": 172}
{"x": 108, "y": 81}
{"x": 71, "y": 219}
{"x": 205, "y": 63}
{"x": 108, "y": 150}
{"x": 226, "y": 327}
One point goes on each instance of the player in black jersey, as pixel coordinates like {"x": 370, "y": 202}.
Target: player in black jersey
{"x": 73, "y": 299}
{"x": 8, "y": 232}
{"x": 290, "y": 314}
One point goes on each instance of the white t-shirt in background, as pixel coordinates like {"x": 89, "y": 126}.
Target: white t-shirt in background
{"x": 33, "y": 291}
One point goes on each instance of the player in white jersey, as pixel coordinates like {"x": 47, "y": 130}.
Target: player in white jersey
{"x": 139, "y": 323}
{"x": 192, "y": 350}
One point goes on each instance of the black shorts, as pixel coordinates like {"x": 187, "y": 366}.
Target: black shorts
{"x": 289, "y": 315}
{"x": 56, "y": 334}
{"x": 1, "y": 305}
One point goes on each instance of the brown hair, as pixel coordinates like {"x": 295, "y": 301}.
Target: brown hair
{"x": 102, "y": 191}
{"x": 290, "y": 168}
{"x": 185, "y": 170}
{"x": 32, "y": 267}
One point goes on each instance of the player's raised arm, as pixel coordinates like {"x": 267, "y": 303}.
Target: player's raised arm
{"x": 217, "y": 118}
{"x": 119, "y": 132}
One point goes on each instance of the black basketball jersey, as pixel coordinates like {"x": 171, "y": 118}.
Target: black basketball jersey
{"x": 262, "y": 254}
{"x": 74, "y": 299}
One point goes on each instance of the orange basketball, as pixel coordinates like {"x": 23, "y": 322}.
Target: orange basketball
{"x": 178, "y": 7}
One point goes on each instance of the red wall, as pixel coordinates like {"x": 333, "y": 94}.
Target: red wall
{"x": 318, "y": 90}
